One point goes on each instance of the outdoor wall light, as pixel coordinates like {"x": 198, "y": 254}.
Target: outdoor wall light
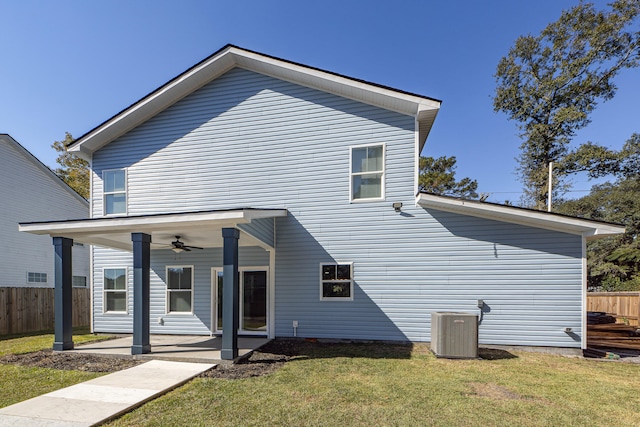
{"x": 397, "y": 206}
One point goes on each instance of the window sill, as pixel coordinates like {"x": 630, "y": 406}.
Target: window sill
{"x": 377, "y": 199}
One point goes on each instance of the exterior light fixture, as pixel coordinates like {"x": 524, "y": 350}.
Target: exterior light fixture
{"x": 397, "y": 206}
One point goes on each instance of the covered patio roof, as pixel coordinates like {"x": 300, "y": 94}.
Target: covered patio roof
{"x": 194, "y": 228}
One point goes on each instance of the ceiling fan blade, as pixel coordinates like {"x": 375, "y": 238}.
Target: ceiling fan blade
{"x": 193, "y": 247}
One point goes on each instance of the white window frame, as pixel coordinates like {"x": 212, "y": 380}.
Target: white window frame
{"x": 349, "y": 281}
{"x": 125, "y": 192}
{"x": 105, "y": 291}
{"x": 35, "y": 277}
{"x": 168, "y": 291}
{"x": 382, "y": 177}
{"x": 74, "y": 279}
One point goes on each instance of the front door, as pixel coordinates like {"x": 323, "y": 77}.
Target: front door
{"x": 253, "y": 300}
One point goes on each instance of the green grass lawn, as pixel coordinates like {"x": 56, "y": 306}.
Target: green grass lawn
{"x": 375, "y": 385}
{"x": 381, "y": 385}
{"x": 21, "y": 383}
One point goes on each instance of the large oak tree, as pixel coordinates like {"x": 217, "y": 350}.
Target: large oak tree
{"x": 550, "y": 83}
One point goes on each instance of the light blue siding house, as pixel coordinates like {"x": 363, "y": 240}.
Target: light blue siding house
{"x": 304, "y": 182}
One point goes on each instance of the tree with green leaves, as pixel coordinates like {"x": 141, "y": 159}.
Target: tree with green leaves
{"x": 550, "y": 84}
{"x": 613, "y": 264}
{"x": 74, "y": 170}
{"x": 438, "y": 176}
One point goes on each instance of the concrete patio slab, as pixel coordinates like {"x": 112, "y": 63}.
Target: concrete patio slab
{"x": 187, "y": 348}
{"x": 100, "y": 399}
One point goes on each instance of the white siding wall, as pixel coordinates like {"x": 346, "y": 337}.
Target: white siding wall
{"x": 32, "y": 194}
{"x": 248, "y": 140}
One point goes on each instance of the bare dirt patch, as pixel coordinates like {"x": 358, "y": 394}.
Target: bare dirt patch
{"x": 265, "y": 360}
{"x": 493, "y": 391}
{"x": 69, "y": 361}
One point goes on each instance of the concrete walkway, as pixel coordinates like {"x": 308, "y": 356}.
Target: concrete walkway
{"x": 100, "y": 399}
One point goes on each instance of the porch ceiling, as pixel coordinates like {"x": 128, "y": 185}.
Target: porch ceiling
{"x": 194, "y": 228}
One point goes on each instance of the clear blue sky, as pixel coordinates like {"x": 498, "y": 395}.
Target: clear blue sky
{"x": 70, "y": 65}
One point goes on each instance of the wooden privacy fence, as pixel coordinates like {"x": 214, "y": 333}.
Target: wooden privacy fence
{"x": 624, "y": 305}
{"x": 31, "y": 309}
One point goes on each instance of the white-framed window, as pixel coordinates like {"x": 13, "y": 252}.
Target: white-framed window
{"x": 115, "y": 290}
{"x": 367, "y": 172}
{"x": 180, "y": 289}
{"x": 35, "y": 277}
{"x": 114, "y": 190}
{"x": 336, "y": 281}
{"x": 79, "y": 281}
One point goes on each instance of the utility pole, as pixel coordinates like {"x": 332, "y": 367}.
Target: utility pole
{"x": 550, "y": 186}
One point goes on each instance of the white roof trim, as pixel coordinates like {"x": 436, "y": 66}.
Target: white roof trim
{"x": 38, "y": 164}
{"x": 588, "y": 228}
{"x": 423, "y": 108}
{"x": 198, "y": 228}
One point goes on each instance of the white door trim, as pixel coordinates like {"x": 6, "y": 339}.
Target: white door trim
{"x": 213, "y": 327}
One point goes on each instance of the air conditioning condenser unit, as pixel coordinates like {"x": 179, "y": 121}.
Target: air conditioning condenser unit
{"x": 454, "y": 335}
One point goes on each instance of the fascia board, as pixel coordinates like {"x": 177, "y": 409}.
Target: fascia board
{"x": 150, "y": 222}
{"x": 338, "y": 85}
{"x": 589, "y": 229}
{"x": 154, "y": 103}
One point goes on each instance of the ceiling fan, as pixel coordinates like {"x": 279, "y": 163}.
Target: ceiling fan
{"x": 177, "y": 246}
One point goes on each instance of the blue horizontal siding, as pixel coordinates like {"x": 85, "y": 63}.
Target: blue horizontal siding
{"x": 197, "y": 323}
{"x": 249, "y": 140}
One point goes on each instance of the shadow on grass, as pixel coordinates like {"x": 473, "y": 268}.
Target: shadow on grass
{"x": 495, "y": 354}
{"x": 312, "y": 349}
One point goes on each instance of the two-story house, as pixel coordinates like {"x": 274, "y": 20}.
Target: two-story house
{"x": 254, "y": 195}
{"x": 30, "y": 191}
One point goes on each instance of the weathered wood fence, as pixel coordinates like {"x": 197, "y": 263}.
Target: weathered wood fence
{"x": 31, "y": 309}
{"x": 625, "y": 305}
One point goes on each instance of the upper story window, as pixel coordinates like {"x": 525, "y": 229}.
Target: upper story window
{"x": 367, "y": 172}
{"x": 114, "y": 188}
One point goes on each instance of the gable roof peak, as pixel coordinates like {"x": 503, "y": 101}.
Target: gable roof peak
{"x": 423, "y": 108}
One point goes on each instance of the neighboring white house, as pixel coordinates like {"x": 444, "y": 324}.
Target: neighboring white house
{"x": 314, "y": 175}
{"x": 30, "y": 191}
